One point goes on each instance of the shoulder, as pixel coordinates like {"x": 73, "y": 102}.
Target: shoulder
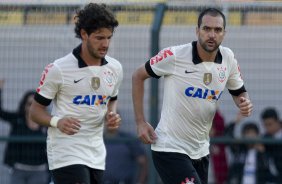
{"x": 183, "y": 46}
{"x": 113, "y": 63}
{"x": 227, "y": 52}
{"x": 180, "y": 49}
{"x": 57, "y": 67}
{"x": 112, "y": 60}
{"x": 67, "y": 61}
{"x": 172, "y": 53}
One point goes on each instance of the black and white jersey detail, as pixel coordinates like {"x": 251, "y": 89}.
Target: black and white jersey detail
{"x": 192, "y": 89}
{"x": 81, "y": 92}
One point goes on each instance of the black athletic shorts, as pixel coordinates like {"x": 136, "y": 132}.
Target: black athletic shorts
{"x": 77, "y": 174}
{"x": 177, "y": 168}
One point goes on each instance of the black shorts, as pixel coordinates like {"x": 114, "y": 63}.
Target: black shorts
{"x": 77, "y": 174}
{"x": 175, "y": 168}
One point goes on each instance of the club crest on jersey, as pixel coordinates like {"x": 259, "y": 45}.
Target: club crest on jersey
{"x": 207, "y": 79}
{"x": 95, "y": 82}
{"x": 187, "y": 181}
{"x": 221, "y": 74}
{"x": 109, "y": 78}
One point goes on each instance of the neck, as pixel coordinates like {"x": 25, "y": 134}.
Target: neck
{"x": 88, "y": 59}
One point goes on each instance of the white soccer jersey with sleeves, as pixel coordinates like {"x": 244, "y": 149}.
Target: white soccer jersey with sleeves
{"x": 191, "y": 91}
{"x": 81, "y": 92}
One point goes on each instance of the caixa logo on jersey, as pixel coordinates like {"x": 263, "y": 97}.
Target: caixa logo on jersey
{"x": 91, "y": 100}
{"x": 211, "y": 95}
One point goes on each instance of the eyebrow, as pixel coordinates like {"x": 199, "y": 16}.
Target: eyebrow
{"x": 217, "y": 27}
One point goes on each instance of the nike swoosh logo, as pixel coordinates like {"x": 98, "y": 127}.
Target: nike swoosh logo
{"x": 190, "y": 72}
{"x": 76, "y": 81}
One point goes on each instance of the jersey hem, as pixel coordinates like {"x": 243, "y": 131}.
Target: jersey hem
{"x": 194, "y": 157}
{"x": 57, "y": 166}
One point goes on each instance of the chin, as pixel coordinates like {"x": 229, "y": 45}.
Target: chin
{"x": 102, "y": 55}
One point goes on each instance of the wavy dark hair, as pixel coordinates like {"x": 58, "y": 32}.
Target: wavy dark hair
{"x": 21, "y": 109}
{"x": 93, "y": 17}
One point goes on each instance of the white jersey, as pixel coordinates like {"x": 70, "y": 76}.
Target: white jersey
{"x": 81, "y": 92}
{"x": 191, "y": 91}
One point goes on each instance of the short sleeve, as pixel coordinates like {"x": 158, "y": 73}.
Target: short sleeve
{"x": 119, "y": 81}
{"x": 235, "y": 80}
{"x": 162, "y": 64}
{"x": 50, "y": 81}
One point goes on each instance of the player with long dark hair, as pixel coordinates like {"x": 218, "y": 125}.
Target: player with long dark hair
{"x": 83, "y": 86}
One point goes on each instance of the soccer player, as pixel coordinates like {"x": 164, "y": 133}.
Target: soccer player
{"x": 83, "y": 86}
{"x": 195, "y": 75}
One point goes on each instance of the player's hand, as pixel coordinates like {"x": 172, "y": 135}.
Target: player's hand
{"x": 245, "y": 106}
{"x": 113, "y": 120}
{"x": 68, "y": 125}
{"x": 146, "y": 133}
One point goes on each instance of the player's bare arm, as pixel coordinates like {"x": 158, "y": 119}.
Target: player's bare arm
{"x": 145, "y": 131}
{"x": 244, "y": 104}
{"x": 113, "y": 119}
{"x": 39, "y": 114}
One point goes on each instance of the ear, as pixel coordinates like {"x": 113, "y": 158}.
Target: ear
{"x": 83, "y": 34}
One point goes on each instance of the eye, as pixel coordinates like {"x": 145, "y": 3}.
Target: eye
{"x": 99, "y": 38}
{"x": 218, "y": 30}
{"x": 206, "y": 28}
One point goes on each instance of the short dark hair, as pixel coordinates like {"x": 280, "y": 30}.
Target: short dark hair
{"x": 93, "y": 17}
{"x": 213, "y": 12}
{"x": 269, "y": 112}
{"x": 250, "y": 126}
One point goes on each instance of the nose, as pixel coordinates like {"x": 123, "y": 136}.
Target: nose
{"x": 106, "y": 43}
{"x": 212, "y": 33}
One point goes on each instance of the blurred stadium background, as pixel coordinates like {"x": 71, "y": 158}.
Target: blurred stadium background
{"x": 34, "y": 33}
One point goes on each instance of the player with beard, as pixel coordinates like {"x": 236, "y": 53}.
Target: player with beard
{"x": 83, "y": 86}
{"x": 195, "y": 75}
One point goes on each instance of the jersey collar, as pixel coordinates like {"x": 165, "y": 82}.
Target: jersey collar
{"x": 196, "y": 58}
{"x": 76, "y": 52}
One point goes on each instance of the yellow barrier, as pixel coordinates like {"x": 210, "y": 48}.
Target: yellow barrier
{"x": 11, "y": 18}
{"x": 131, "y": 17}
{"x": 263, "y": 18}
{"x": 235, "y": 18}
{"x": 46, "y": 18}
{"x": 180, "y": 18}
{"x": 170, "y": 18}
{"x": 142, "y": 17}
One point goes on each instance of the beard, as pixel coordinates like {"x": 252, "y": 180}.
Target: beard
{"x": 95, "y": 52}
{"x": 205, "y": 46}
